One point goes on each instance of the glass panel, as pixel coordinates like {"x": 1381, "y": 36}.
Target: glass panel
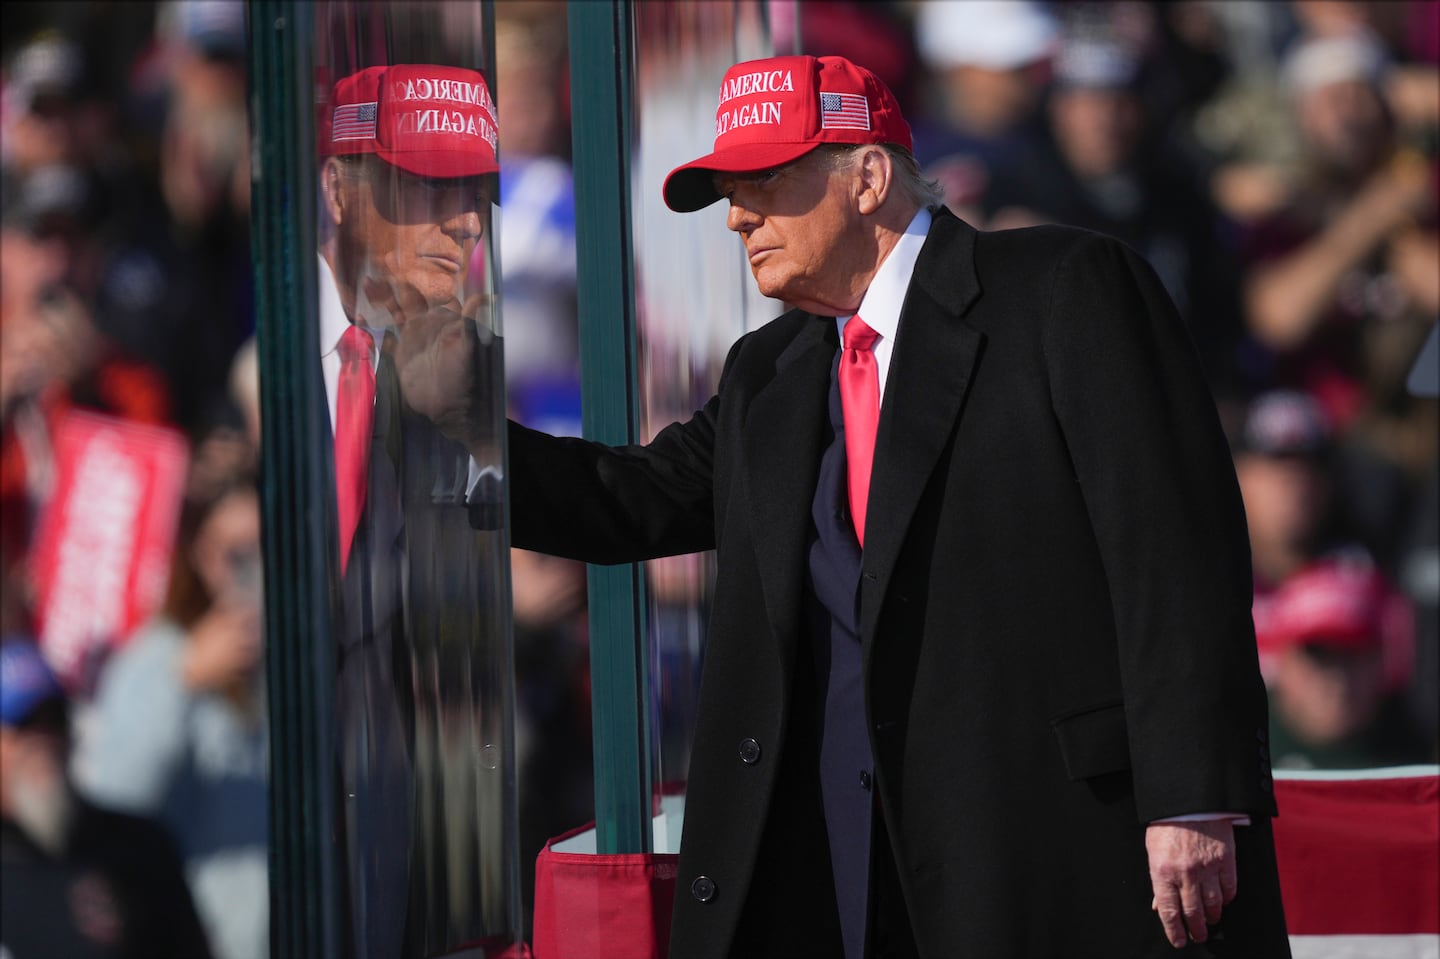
{"x": 411, "y": 355}
{"x": 695, "y": 299}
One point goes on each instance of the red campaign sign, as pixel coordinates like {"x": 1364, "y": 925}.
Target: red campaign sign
{"x": 102, "y": 550}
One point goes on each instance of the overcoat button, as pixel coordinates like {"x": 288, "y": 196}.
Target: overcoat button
{"x": 703, "y": 888}
{"x": 749, "y": 751}
{"x": 864, "y": 779}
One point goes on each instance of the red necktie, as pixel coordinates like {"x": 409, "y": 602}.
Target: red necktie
{"x": 354, "y": 420}
{"x": 860, "y": 407}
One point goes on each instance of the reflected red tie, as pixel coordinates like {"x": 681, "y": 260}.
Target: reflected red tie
{"x": 860, "y": 406}
{"x": 354, "y": 420}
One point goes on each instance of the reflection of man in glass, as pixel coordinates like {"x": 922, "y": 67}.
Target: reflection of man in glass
{"x": 408, "y": 152}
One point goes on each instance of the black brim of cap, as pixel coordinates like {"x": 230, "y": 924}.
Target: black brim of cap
{"x": 691, "y": 187}
{"x": 689, "y": 190}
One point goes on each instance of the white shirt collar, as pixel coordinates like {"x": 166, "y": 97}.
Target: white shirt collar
{"x": 880, "y": 308}
{"x": 333, "y": 324}
{"x": 333, "y": 321}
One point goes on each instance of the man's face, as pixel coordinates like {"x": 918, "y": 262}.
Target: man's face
{"x": 405, "y": 241}
{"x": 1345, "y": 125}
{"x": 1097, "y": 128}
{"x": 1326, "y": 694}
{"x": 802, "y": 231}
{"x": 1284, "y": 496}
{"x": 34, "y": 791}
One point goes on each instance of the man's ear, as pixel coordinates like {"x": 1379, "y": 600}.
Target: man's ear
{"x": 332, "y": 185}
{"x": 876, "y": 174}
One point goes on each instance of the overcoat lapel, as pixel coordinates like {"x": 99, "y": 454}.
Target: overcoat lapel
{"x": 930, "y": 371}
{"x": 783, "y": 439}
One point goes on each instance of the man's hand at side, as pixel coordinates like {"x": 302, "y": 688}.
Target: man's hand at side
{"x": 1192, "y": 870}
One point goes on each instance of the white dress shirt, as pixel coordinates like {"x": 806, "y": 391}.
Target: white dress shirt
{"x": 880, "y": 309}
{"x": 333, "y": 323}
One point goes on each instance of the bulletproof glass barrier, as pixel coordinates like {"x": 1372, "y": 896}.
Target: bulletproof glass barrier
{"x": 415, "y": 735}
{"x": 694, "y": 298}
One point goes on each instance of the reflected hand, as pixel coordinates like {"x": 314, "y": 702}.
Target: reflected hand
{"x": 435, "y": 358}
{"x": 434, "y": 349}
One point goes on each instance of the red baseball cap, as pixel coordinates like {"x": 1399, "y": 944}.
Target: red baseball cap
{"x": 774, "y": 111}
{"x": 1329, "y": 603}
{"x": 432, "y": 121}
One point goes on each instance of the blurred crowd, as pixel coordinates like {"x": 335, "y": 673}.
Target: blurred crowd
{"x": 1277, "y": 162}
{"x": 1278, "y": 165}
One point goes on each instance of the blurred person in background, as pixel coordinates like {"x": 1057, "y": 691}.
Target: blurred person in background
{"x": 205, "y": 154}
{"x": 177, "y": 730}
{"x": 1329, "y": 272}
{"x": 54, "y": 216}
{"x": 986, "y": 66}
{"x": 1342, "y": 284}
{"x": 1282, "y": 448}
{"x": 55, "y": 355}
{"x": 43, "y": 95}
{"x": 1243, "y": 129}
{"x": 177, "y": 285}
{"x": 1341, "y": 638}
{"x": 1104, "y": 164}
{"x": 76, "y": 880}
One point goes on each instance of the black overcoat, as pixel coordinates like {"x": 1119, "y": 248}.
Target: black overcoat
{"x": 1055, "y": 606}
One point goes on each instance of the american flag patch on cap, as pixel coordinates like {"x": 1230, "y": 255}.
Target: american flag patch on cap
{"x": 355, "y": 121}
{"x": 844, "y": 111}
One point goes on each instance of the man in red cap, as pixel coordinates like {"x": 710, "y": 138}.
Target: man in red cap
{"x": 980, "y": 678}
{"x": 408, "y": 158}
{"x": 1342, "y": 639}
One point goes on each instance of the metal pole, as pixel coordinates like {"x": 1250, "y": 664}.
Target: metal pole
{"x": 299, "y": 659}
{"x": 600, "y": 71}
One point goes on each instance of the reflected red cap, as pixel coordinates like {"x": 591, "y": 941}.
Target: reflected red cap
{"x": 429, "y": 120}
{"x": 774, "y": 111}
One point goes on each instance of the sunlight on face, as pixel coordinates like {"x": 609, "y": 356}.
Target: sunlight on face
{"x": 803, "y": 234}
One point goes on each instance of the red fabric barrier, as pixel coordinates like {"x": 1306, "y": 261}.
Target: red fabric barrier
{"x": 602, "y": 906}
{"x": 1360, "y": 856}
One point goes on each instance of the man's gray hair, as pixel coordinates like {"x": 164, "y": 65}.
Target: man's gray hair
{"x": 913, "y": 184}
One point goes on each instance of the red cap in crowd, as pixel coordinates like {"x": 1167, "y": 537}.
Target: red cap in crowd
{"x": 1335, "y": 604}
{"x": 774, "y": 111}
{"x": 432, "y": 121}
